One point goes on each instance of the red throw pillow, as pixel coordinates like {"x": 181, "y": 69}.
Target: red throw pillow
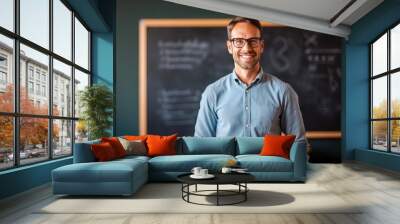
{"x": 103, "y": 151}
{"x": 135, "y": 137}
{"x": 277, "y": 145}
{"x": 116, "y": 145}
{"x": 161, "y": 145}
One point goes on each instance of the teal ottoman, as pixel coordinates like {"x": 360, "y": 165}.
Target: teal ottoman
{"x": 118, "y": 177}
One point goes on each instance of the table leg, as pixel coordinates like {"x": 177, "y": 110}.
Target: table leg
{"x": 217, "y": 194}
{"x": 196, "y": 188}
{"x": 245, "y": 193}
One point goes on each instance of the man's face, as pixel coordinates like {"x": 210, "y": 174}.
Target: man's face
{"x": 246, "y": 57}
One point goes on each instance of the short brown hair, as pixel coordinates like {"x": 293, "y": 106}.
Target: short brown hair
{"x": 239, "y": 19}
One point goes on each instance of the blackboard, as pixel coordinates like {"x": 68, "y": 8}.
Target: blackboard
{"x": 183, "y": 60}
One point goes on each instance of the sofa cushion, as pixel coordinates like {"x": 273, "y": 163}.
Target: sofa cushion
{"x": 257, "y": 163}
{"x": 249, "y": 145}
{"x": 135, "y": 147}
{"x": 161, "y": 145}
{"x": 208, "y": 145}
{"x": 277, "y": 145}
{"x": 103, "y": 151}
{"x": 185, "y": 163}
{"x": 116, "y": 145}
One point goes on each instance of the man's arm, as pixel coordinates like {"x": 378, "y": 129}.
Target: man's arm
{"x": 292, "y": 120}
{"x": 206, "y": 118}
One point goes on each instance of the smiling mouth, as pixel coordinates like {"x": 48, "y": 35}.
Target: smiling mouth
{"x": 247, "y": 56}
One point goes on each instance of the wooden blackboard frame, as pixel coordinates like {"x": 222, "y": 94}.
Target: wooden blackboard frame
{"x": 173, "y": 23}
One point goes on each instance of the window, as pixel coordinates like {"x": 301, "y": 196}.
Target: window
{"x": 30, "y": 87}
{"x": 62, "y": 31}
{"x": 3, "y": 61}
{"x": 30, "y": 72}
{"x": 34, "y": 21}
{"x": 62, "y": 74}
{"x": 7, "y": 14}
{"x": 38, "y": 89}
{"x": 81, "y": 45}
{"x": 44, "y": 91}
{"x": 6, "y": 73}
{"x": 41, "y": 82}
{"x": 37, "y": 74}
{"x": 3, "y": 78}
{"x": 385, "y": 94}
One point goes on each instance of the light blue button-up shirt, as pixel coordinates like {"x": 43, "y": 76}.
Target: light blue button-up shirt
{"x": 229, "y": 107}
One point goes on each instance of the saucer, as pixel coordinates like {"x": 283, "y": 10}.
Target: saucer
{"x": 208, "y": 176}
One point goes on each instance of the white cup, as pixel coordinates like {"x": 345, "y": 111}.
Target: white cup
{"x": 196, "y": 170}
{"x": 203, "y": 172}
{"x": 226, "y": 170}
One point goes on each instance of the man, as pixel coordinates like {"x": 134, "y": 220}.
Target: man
{"x": 248, "y": 102}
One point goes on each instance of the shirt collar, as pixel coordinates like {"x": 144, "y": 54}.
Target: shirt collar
{"x": 259, "y": 77}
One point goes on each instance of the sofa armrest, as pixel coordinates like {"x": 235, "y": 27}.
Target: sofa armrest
{"x": 83, "y": 152}
{"x": 298, "y": 155}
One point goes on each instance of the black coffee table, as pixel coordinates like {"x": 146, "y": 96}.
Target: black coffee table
{"x": 238, "y": 179}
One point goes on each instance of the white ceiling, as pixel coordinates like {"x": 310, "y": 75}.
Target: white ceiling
{"x": 325, "y": 16}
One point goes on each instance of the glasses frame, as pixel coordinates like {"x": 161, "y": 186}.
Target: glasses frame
{"x": 255, "y": 44}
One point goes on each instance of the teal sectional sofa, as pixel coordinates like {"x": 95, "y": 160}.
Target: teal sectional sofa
{"x": 125, "y": 176}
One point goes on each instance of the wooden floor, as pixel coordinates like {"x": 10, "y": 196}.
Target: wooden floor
{"x": 377, "y": 188}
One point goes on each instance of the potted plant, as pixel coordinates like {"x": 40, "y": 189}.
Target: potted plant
{"x": 96, "y": 102}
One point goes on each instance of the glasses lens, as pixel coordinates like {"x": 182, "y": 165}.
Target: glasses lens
{"x": 254, "y": 42}
{"x": 238, "y": 42}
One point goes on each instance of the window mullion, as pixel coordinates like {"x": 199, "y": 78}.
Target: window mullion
{"x": 50, "y": 87}
{"x": 16, "y": 69}
{"x": 389, "y": 95}
{"x": 73, "y": 82}
{"x": 371, "y": 89}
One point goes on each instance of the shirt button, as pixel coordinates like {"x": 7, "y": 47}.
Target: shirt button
{"x": 247, "y": 107}
{"x": 247, "y": 125}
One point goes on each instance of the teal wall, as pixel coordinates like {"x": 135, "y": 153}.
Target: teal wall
{"x": 102, "y": 58}
{"x": 128, "y": 15}
{"x": 356, "y": 105}
{"x": 103, "y": 50}
{"x": 24, "y": 178}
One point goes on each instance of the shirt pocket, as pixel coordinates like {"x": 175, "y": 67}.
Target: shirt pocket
{"x": 266, "y": 119}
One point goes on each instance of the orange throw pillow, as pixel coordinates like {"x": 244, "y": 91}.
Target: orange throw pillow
{"x": 116, "y": 145}
{"x": 103, "y": 151}
{"x": 135, "y": 137}
{"x": 277, "y": 145}
{"x": 161, "y": 145}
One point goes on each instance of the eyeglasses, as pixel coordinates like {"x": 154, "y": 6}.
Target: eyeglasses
{"x": 240, "y": 42}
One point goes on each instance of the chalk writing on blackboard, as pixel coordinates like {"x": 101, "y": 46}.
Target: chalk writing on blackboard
{"x": 181, "y": 55}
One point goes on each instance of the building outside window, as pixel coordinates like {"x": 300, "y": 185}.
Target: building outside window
{"x": 385, "y": 91}
{"x": 35, "y": 79}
